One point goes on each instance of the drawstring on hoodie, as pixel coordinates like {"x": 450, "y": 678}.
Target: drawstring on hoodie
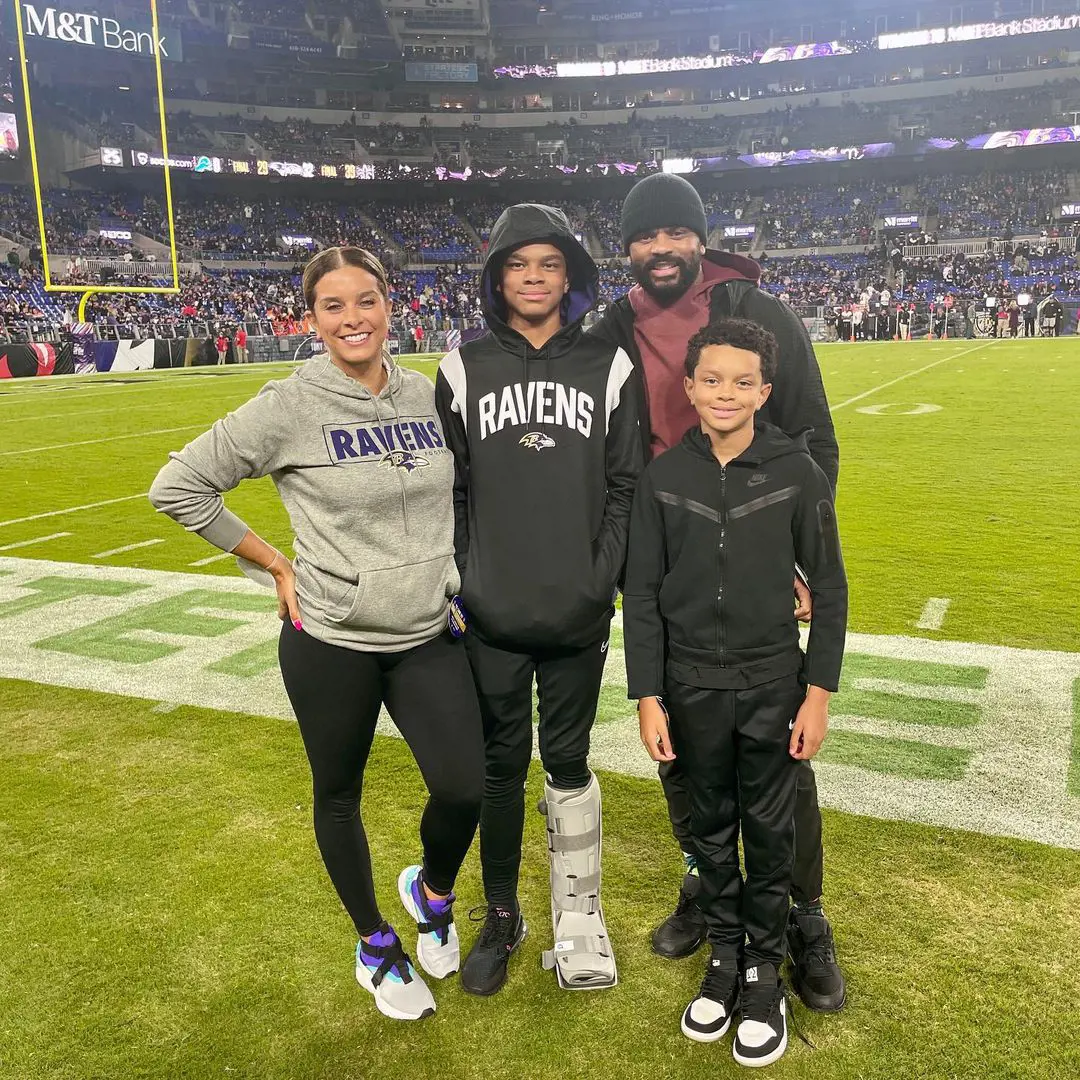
{"x": 397, "y": 417}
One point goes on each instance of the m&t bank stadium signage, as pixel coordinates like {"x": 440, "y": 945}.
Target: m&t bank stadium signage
{"x": 97, "y": 31}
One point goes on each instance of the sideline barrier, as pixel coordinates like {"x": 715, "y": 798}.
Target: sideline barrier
{"x": 32, "y": 360}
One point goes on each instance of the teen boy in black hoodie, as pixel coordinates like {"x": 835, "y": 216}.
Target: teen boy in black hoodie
{"x": 543, "y": 424}
{"x": 719, "y": 522}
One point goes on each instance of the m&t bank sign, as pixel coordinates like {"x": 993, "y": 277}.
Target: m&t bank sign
{"x": 96, "y": 31}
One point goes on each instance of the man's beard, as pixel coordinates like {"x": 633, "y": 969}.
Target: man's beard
{"x": 671, "y": 291}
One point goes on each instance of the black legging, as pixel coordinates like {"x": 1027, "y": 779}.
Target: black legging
{"x": 336, "y": 694}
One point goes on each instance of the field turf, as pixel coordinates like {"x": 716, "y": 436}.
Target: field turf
{"x": 165, "y": 910}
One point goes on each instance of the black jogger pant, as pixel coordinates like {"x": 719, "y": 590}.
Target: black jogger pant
{"x": 568, "y": 688}
{"x": 808, "y": 871}
{"x": 733, "y": 749}
{"x": 336, "y": 694}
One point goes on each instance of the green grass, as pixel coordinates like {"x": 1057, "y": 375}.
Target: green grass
{"x": 165, "y": 910}
{"x": 974, "y": 503}
{"x": 166, "y": 915}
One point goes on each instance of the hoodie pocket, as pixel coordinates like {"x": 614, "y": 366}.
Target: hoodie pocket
{"x": 345, "y": 613}
{"x": 330, "y": 596}
{"x": 402, "y": 599}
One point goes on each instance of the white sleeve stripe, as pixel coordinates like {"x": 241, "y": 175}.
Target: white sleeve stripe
{"x": 452, "y": 369}
{"x": 618, "y": 373}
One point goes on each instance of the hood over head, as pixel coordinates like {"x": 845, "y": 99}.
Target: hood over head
{"x": 534, "y": 223}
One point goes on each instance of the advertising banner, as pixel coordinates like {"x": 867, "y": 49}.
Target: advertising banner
{"x": 66, "y": 25}
{"x": 30, "y": 361}
{"x": 446, "y": 73}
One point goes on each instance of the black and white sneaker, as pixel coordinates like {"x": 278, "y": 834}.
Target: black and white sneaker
{"x": 761, "y": 1037}
{"x": 484, "y": 970}
{"x": 708, "y": 1017}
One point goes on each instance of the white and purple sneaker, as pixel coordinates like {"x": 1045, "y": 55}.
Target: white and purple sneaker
{"x": 383, "y": 969}
{"x": 437, "y": 946}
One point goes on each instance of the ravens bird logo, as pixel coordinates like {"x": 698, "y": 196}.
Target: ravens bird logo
{"x": 537, "y": 440}
{"x": 405, "y": 459}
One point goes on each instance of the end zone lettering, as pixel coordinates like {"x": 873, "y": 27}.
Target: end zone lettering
{"x": 97, "y": 31}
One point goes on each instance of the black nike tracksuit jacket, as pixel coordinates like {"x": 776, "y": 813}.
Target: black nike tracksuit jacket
{"x": 798, "y": 398}
{"x": 707, "y": 600}
{"x": 547, "y": 451}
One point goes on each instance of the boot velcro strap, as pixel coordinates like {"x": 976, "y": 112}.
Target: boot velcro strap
{"x": 583, "y": 905}
{"x": 573, "y": 841}
{"x": 582, "y": 894}
{"x": 590, "y": 944}
{"x": 586, "y": 885}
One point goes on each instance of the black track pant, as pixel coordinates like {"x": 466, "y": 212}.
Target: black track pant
{"x": 568, "y": 688}
{"x": 733, "y": 748}
{"x": 336, "y": 694}
{"x": 808, "y": 871}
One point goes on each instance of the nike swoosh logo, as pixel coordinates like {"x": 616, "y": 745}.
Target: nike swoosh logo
{"x": 791, "y": 724}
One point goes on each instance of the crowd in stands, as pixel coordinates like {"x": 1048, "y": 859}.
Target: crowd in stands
{"x": 447, "y": 235}
{"x": 432, "y": 228}
{"x": 994, "y": 204}
{"x": 270, "y": 12}
{"x": 817, "y": 216}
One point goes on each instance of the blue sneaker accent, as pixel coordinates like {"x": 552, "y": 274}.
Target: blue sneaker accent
{"x": 437, "y": 947}
{"x": 383, "y": 969}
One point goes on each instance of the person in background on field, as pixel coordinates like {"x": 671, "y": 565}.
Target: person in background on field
{"x": 358, "y": 456}
{"x": 1053, "y": 315}
{"x": 240, "y": 341}
{"x": 221, "y": 343}
{"x": 722, "y": 685}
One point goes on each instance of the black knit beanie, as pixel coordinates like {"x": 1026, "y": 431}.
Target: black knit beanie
{"x": 660, "y": 200}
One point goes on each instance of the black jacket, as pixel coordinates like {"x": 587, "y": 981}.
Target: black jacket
{"x": 798, "y": 399}
{"x": 712, "y": 554}
{"x": 547, "y": 453}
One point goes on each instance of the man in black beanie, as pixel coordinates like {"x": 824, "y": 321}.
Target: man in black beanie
{"x": 682, "y": 286}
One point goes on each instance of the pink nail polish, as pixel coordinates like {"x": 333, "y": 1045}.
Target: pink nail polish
{"x": 298, "y": 624}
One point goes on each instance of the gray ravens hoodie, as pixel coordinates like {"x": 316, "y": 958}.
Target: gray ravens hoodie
{"x": 367, "y": 481}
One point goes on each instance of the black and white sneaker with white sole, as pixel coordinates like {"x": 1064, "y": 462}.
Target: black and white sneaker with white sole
{"x": 761, "y": 1037}
{"x": 708, "y": 1017}
{"x": 484, "y": 970}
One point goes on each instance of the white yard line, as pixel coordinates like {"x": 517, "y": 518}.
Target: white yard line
{"x": 171, "y": 381}
{"x": 87, "y": 412}
{"x": 36, "y": 540}
{"x": 212, "y": 559}
{"x": 933, "y": 614}
{"x": 906, "y": 375}
{"x": 94, "y": 442}
{"x": 127, "y": 547}
{"x": 72, "y": 509}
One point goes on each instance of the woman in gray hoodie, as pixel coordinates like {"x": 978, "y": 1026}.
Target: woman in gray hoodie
{"x": 356, "y": 450}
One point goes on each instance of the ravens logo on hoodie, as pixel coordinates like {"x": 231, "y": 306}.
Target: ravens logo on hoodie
{"x": 547, "y": 451}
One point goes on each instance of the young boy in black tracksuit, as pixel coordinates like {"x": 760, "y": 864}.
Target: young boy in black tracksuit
{"x": 719, "y": 522}
{"x": 543, "y": 424}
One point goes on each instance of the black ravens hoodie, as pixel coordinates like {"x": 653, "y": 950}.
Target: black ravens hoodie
{"x": 547, "y": 452}
{"x": 713, "y": 548}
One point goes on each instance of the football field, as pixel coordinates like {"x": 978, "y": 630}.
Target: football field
{"x": 166, "y": 913}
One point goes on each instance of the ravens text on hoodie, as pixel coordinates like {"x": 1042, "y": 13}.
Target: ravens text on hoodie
{"x": 547, "y": 450}
{"x": 367, "y": 481}
{"x": 713, "y": 548}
